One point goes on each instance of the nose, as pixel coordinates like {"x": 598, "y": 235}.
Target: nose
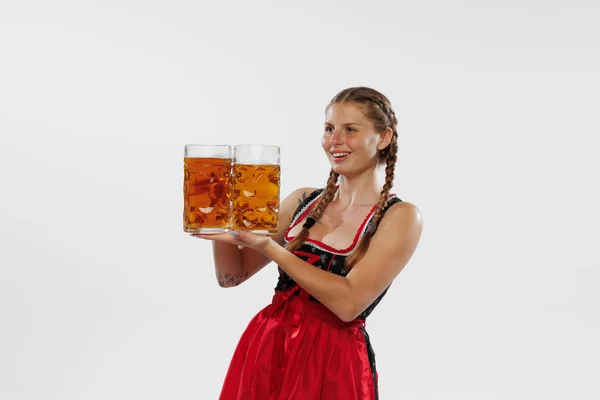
{"x": 336, "y": 138}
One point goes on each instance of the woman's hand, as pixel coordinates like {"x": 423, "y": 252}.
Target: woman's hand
{"x": 241, "y": 238}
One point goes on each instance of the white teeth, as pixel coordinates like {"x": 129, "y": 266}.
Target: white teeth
{"x": 339, "y": 154}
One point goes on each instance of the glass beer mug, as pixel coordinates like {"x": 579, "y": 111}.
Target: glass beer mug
{"x": 256, "y": 186}
{"x": 207, "y": 189}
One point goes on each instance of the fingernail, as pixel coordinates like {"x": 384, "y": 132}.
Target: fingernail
{"x": 233, "y": 233}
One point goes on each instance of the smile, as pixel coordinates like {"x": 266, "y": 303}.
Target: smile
{"x": 341, "y": 156}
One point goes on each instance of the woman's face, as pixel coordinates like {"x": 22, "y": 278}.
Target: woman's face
{"x": 349, "y": 139}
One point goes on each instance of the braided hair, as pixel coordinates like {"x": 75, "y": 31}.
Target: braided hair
{"x": 378, "y": 110}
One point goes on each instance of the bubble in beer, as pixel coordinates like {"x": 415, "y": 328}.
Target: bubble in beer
{"x": 206, "y": 189}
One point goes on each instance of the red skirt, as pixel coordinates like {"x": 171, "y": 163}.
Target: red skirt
{"x": 296, "y": 349}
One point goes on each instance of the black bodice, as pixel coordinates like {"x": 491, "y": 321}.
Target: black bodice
{"x": 323, "y": 256}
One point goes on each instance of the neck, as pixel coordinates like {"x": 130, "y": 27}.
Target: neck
{"x": 358, "y": 190}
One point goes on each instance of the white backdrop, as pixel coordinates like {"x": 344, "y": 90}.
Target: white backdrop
{"x": 102, "y": 295}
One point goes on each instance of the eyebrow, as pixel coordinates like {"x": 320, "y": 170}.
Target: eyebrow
{"x": 346, "y": 124}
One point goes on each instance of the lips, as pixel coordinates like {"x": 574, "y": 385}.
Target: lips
{"x": 339, "y": 156}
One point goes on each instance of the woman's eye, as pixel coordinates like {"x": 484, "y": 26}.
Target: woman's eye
{"x": 329, "y": 129}
{"x": 351, "y": 129}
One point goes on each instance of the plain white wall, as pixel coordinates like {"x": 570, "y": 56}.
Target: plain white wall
{"x": 102, "y": 295}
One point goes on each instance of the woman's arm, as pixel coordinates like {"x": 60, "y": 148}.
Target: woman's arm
{"x": 390, "y": 249}
{"x": 234, "y": 265}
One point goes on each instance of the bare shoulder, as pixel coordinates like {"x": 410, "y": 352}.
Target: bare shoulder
{"x": 397, "y": 236}
{"x": 295, "y": 198}
{"x": 402, "y": 217}
{"x": 305, "y": 191}
{"x": 287, "y": 207}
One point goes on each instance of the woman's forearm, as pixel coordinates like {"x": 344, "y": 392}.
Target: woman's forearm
{"x": 333, "y": 291}
{"x": 229, "y": 266}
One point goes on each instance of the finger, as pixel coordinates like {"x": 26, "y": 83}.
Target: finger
{"x": 222, "y": 237}
{"x": 241, "y": 235}
{"x": 212, "y": 236}
{"x": 244, "y": 238}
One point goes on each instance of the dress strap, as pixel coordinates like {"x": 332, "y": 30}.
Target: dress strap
{"x": 306, "y": 204}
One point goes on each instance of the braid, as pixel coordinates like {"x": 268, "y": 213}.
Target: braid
{"x": 380, "y": 112}
{"x": 389, "y": 113}
{"x": 389, "y": 182}
{"x": 392, "y": 122}
{"x": 365, "y": 240}
{"x": 316, "y": 212}
{"x": 386, "y": 118}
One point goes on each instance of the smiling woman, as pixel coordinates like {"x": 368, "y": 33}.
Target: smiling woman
{"x": 338, "y": 249}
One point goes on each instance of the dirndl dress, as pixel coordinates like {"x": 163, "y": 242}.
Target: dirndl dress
{"x": 297, "y": 349}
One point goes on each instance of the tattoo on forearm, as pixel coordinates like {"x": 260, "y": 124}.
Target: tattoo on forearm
{"x": 228, "y": 279}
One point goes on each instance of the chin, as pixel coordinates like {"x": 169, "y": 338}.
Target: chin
{"x": 341, "y": 171}
{"x": 336, "y": 168}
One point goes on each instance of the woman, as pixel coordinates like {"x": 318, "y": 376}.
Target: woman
{"x": 338, "y": 251}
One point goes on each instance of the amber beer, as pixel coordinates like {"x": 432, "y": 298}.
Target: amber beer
{"x": 207, "y": 189}
{"x": 256, "y": 186}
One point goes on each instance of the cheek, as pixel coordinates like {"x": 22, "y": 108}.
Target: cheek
{"x": 361, "y": 143}
{"x": 365, "y": 145}
{"x": 371, "y": 143}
